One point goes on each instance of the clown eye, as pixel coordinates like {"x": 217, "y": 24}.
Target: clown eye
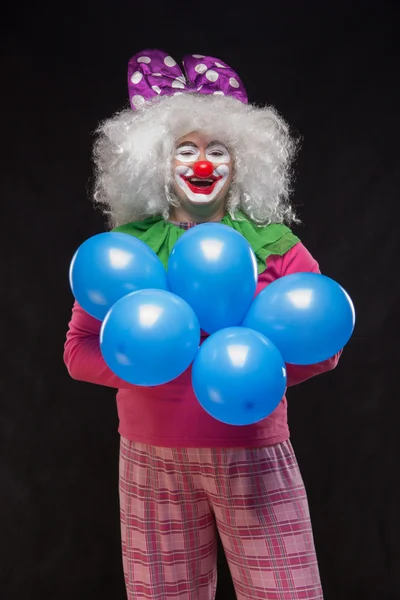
{"x": 218, "y": 154}
{"x": 186, "y": 154}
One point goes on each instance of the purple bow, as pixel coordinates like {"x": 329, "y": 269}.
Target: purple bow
{"x": 154, "y": 72}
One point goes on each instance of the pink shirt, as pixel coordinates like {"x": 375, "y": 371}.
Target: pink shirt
{"x": 169, "y": 415}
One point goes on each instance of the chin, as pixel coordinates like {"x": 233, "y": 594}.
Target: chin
{"x": 191, "y": 198}
{"x": 202, "y": 201}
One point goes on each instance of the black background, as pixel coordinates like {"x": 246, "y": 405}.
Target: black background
{"x": 331, "y": 69}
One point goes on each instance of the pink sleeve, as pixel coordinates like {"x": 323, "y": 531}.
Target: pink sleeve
{"x": 299, "y": 260}
{"x": 82, "y": 354}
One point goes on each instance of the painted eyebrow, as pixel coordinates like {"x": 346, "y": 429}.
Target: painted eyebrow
{"x": 183, "y": 144}
{"x": 193, "y": 145}
{"x": 216, "y": 143}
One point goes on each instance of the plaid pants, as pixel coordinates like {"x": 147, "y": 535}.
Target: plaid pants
{"x": 172, "y": 500}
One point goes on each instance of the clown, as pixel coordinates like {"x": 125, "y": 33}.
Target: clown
{"x": 202, "y": 175}
{"x": 190, "y": 150}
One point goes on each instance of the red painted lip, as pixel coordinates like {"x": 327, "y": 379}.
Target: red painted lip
{"x": 202, "y": 190}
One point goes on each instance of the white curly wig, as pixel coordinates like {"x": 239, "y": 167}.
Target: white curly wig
{"x": 133, "y": 154}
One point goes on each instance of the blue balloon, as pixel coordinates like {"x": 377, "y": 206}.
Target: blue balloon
{"x": 309, "y": 317}
{"x": 149, "y": 337}
{"x": 213, "y": 267}
{"x": 238, "y": 376}
{"x": 108, "y": 266}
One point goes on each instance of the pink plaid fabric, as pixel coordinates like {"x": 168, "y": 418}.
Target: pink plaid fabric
{"x": 185, "y": 226}
{"x": 172, "y": 500}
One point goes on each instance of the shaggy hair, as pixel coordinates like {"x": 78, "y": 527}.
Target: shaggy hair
{"x": 133, "y": 155}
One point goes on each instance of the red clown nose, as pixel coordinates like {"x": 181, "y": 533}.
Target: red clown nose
{"x": 203, "y": 168}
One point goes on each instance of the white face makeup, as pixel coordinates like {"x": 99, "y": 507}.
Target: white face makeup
{"x": 201, "y": 171}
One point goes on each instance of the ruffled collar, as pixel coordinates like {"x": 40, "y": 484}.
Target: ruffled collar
{"x": 161, "y": 236}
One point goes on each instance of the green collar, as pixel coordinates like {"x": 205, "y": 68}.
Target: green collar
{"x": 161, "y": 236}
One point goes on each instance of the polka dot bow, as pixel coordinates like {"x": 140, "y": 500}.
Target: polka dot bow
{"x": 153, "y": 72}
